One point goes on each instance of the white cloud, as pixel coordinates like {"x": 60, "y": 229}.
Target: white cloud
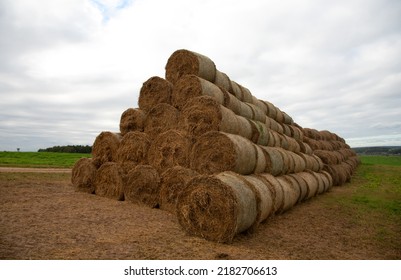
{"x": 330, "y": 65}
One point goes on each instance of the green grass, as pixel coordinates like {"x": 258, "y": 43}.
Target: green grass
{"x": 381, "y": 160}
{"x": 36, "y": 159}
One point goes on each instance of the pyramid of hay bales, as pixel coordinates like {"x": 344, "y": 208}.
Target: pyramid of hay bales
{"x": 203, "y": 147}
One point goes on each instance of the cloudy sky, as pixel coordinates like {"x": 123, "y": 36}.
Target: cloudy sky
{"x": 69, "y": 68}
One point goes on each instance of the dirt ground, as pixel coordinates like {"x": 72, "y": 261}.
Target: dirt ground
{"x": 42, "y": 217}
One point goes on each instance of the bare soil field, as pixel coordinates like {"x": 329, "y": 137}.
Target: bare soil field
{"x": 42, "y": 217}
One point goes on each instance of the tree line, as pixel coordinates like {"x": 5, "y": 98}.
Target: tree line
{"x": 69, "y": 149}
{"x": 389, "y": 150}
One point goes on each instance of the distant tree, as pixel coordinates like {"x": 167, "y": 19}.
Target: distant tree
{"x": 69, "y": 149}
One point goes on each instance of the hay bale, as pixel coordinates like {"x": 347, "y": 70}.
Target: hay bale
{"x": 132, "y": 119}
{"x": 276, "y": 190}
{"x": 173, "y": 181}
{"x": 274, "y": 160}
{"x": 215, "y": 152}
{"x": 154, "y": 91}
{"x": 264, "y": 195}
{"x": 291, "y": 192}
{"x": 191, "y": 86}
{"x": 303, "y": 187}
{"x": 203, "y": 114}
{"x": 110, "y": 180}
{"x": 161, "y": 118}
{"x": 134, "y": 148}
{"x": 83, "y": 175}
{"x": 105, "y": 147}
{"x": 216, "y": 207}
{"x": 183, "y": 62}
{"x": 169, "y": 149}
{"x": 143, "y": 186}
{"x": 223, "y": 81}
{"x": 311, "y": 182}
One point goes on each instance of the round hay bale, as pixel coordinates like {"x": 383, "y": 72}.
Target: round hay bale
{"x": 183, "y": 62}
{"x": 257, "y": 114}
{"x": 303, "y": 187}
{"x": 273, "y": 125}
{"x": 143, "y": 186}
{"x": 161, "y": 118}
{"x": 287, "y": 119}
{"x": 260, "y": 133}
{"x": 83, "y": 175}
{"x": 276, "y": 190}
{"x": 110, "y": 180}
{"x": 216, "y": 207}
{"x": 132, "y": 119}
{"x": 191, "y": 86}
{"x": 105, "y": 147}
{"x": 290, "y": 192}
{"x": 173, "y": 181}
{"x": 299, "y": 163}
{"x": 259, "y": 104}
{"x": 154, "y": 91}
{"x": 246, "y": 94}
{"x": 134, "y": 148}
{"x": 236, "y": 91}
{"x": 169, "y": 149}
{"x": 203, "y": 114}
{"x": 215, "y": 152}
{"x": 311, "y": 182}
{"x": 264, "y": 195}
{"x": 305, "y": 148}
{"x": 274, "y": 160}
{"x": 320, "y": 182}
{"x": 223, "y": 81}
{"x": 270, "y": 109}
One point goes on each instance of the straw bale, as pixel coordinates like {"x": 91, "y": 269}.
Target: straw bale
{"x": 143, "y": 186}
{"x": 191, "y": 86}
{"x": 290, "y": 190}
{"x": 203, "y": 114}
{"x": 222, "y": 81}
{"x": 105, "y": 147}
{"x": 173, "y": 181}
{"x": 169, "y": 149}
{"x": 216, "y": 207}
{"x": 183, "y": 62}
{"x": 110, "y": 180}
{"x": 83, "y": 175}
{"x": 132, "y": 119}
{"x": 275, "y": 188}
{"x": 215, "y": 152}
{"x": 161, "y": 118}
{"x": 311, "y": 182}
{"x": 303, "y": 187}
{"x": 134, "y": 148}
{"x": 154, "y": 91}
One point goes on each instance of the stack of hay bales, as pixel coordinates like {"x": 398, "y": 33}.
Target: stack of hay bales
{"x": 204, "y": 148}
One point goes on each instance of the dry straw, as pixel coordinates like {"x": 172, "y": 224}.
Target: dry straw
{"x": 169, "y": 149}
{"x": 132, "y": 119}
{"x": 215, "y": 152}
{"x": 217, "y": 207}
{"x": 183, "y": 62}
{"x": 203, "y": 114}
{"x": 83, "y": 175}
{"x": 110, "y": 180}
{"x": 105, "y": 147}
{"x": 134, "y": 148}
{"x": 160, "y": 118}
{"x": 173, "y": 182}
{"x": 154, "y": 91}
{"x": 142, "y": 186}
{"x": 191, "y": 86}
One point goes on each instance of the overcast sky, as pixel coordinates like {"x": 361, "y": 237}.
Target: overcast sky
{"x": 69, "y": 68}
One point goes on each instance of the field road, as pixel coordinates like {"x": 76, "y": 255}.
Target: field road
{"x": 34, "y": 170}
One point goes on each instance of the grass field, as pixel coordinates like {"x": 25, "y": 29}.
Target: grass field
{"x": 360, "y": 220}
{"x": 36, "y": 159}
